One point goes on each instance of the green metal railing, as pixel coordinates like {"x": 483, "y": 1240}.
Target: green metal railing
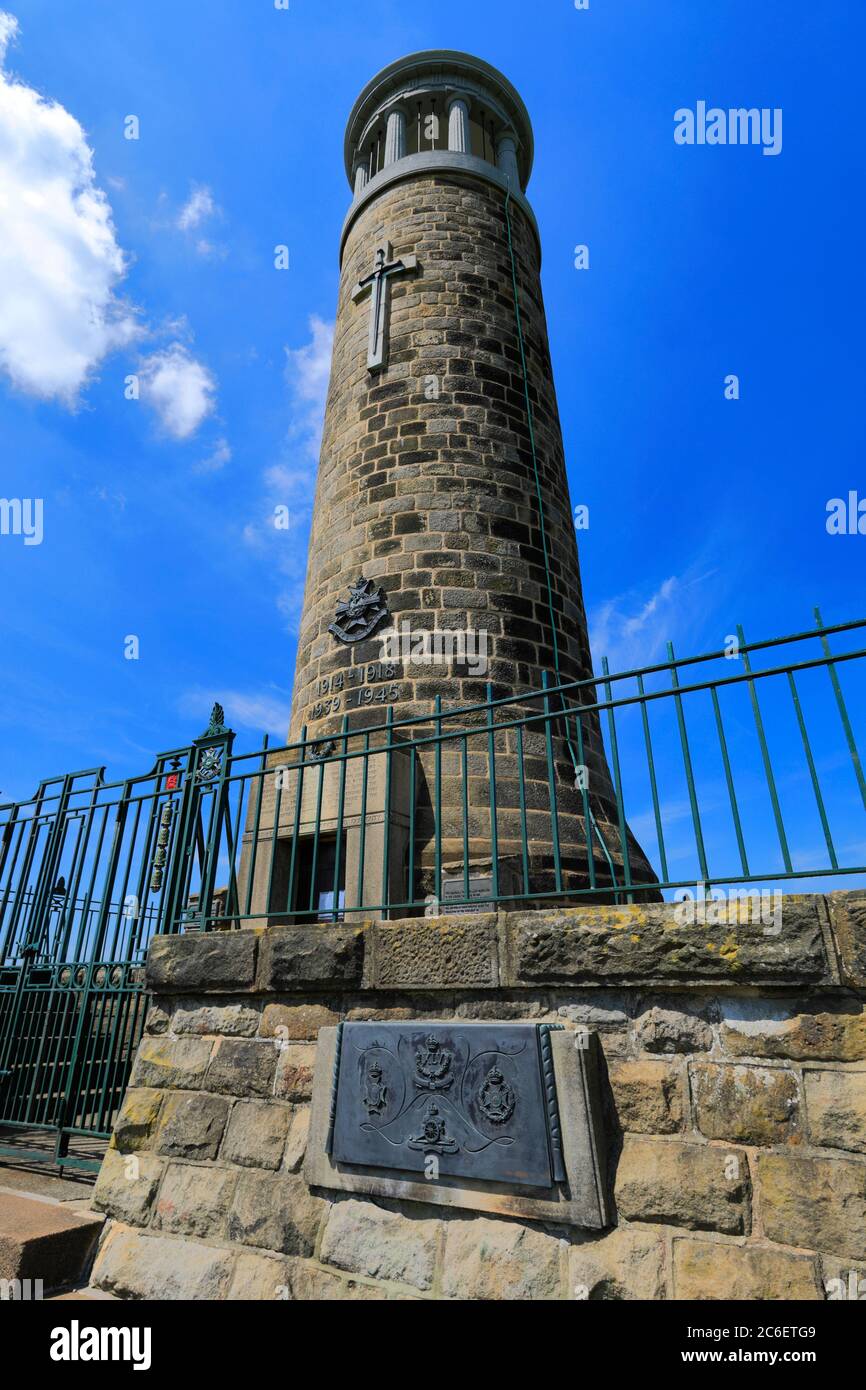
{"x": 683, "y": 753}
{"x": 737, "y": 767}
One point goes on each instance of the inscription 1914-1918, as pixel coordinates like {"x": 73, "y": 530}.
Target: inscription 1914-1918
{"x": 480, "y": 1097}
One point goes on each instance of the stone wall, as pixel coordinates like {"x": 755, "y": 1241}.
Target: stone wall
{"x": 735, "y": 1109}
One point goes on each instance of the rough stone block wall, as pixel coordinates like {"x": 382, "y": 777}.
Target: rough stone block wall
{"x": 735, "y": 1109}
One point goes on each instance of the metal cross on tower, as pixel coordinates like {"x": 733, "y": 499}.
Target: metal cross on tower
{"x": 377, "y": 283}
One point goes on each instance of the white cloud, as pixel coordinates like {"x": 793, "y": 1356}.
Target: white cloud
{"x": 632, "y": 631}
{"x": 209, "y": 250}
{"x": 198, "y": 207}
{"x": 307, "y": 372}
{"x": 60, "y": 263}
{"x": 261, "y": 711}
{"x": 8, "y": 31}
{"x": 220, "y": 455}
{"x": 179, "y": 388}
{"x": 290, "y": 484}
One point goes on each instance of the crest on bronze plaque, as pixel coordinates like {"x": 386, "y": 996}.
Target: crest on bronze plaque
{"x": 375, "y": 1091}
{"x": 433, "y": 1064}
{"x": 434, "y": 1137}
{"x": 358, "y": 616}
{"x": 496, "y": 1098}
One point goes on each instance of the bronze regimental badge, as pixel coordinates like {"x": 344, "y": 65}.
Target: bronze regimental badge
{"x": 358, "y": 616}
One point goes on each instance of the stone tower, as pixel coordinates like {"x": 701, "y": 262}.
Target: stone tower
{"x": 442, "y": 501}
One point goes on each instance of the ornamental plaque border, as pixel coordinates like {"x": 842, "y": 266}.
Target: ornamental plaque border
{"x": 576, "y": 1196}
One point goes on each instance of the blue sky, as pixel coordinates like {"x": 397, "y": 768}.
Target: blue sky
{"x": 703, "y": 262}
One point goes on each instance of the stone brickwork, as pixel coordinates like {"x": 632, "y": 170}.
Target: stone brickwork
{"x": 734, "y": 1085}
{"x": 426, "y": 481}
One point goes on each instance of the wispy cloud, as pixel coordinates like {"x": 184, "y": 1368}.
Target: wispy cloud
{"x": 198, "y": 208}
{"x": 289, "y": 484}
{"x": 632, "y": 629}
{"x": 308, "y": 369}
{"x": 219, "y": 456}
{"x": 265, "y": 711}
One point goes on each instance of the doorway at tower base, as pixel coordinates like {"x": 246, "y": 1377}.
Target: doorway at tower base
{"x": 367, "y": 826}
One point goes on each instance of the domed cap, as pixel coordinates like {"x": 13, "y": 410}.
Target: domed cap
{"x": 438, "y": 100}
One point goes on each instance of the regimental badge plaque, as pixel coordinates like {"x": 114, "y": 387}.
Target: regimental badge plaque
{"x": 479, "y": 1097}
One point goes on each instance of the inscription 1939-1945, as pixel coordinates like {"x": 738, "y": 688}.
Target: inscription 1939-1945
{"x": 480, "y": 1097}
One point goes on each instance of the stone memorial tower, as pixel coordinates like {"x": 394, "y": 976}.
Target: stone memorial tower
{"x": 442, "y": 504}
{"x": 373, "y": 1106}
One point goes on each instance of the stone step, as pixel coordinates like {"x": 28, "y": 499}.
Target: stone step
{"x": 41, "y": 1239}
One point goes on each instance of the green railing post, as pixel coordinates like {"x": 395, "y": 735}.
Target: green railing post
{"x": 687, "y": 764}
{"x": 617, "y": 780}
{"x": 843, "y": 711}
{"x": 765, "y": 754}
{"x": 491, "y": 762}
{"x": 551, "y": 783}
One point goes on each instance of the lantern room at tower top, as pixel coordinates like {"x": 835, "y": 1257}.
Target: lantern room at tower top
{"x": 434, "y": 108}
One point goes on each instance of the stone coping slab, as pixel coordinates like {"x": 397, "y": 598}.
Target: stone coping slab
{"x": 818, "y": 941}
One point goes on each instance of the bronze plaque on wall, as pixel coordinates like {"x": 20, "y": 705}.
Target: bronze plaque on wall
{"x": 480, "y": 1097}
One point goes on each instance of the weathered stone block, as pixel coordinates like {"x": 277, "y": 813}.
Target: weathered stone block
{"x": 242, "y": 1067}
{"x": 319, "y": 957}
{"x": 256, "y": 1134}
{"x": 749, "y": 1105}
{"x": 126, "y": 1186}
{"x": 487, "y": 1259}
{"x": 370, "y": 1013}
{"x": 848, "y": 924}
{"x": 440, "y": 953}
{"x": 647, "y": 945}
{"x": 134, "y": 1126}
{"x": 680, "y": 1184}
{"x": 192, "y": 1125}
{"x": 836, "y": 1106}
{"x": 671, "y": 1030}
{"x": 294, "y": 1075}
{"x": 260, "y": 1278}
{"x": 817, "y": 1203}
{"x": 277, "y": 1212}
{"x": 296, "y": 1022}
{"x": 157, "y": 1020}
{"x": 710, "y": 1270}
{"x": 648, "y": 1096}
{"x": 363, "y": 1239}
{"x": 202, "y": 962}
{"x": 234, "y": 1020}
{"x": 171, "y": 1062}
{"x": 134, "y": 1265}
{"x": 194, "y": 1201}
{"x": 761, "y": 1028}
{"x": 308, "y": 1282}
{"x": 296, "y": 1145}
{"x": 627, "y": 1264}
{"x": 599, "y": 1012}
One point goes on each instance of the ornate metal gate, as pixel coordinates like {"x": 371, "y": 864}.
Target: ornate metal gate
{"x": 89, "y": 872}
